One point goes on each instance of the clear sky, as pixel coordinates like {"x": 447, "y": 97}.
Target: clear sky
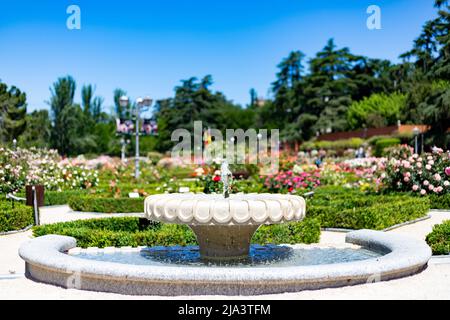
{"x": 146, "y": 47}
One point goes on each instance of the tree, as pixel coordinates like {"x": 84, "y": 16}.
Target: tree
{"x": 13, "y": 108}
{"x": 121, "y": 112}
{"x": 38, "y": 130}
{"x": 330, "y": 87}
{"x": 71, "y": 129}
{"x": 253, "y": 97}
{"x": 195, "y": 101}
{"x": 92, "y": 105}
{"x": 378, "y": 110}
{"x": 429, "y": 92}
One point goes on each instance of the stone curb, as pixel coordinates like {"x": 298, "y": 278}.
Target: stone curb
{"x": 47, "y": 262}
{"x": 16, "y": 231}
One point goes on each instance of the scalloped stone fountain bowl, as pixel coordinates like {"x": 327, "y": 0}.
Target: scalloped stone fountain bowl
{"x": 224, "y": 226}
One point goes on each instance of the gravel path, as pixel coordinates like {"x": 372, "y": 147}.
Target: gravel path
{"x": 433, "y": 283}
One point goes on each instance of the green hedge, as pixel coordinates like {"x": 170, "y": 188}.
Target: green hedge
{"x": 440, "y": 201}
{"x": 439, "y": 239}
{"x": 382, "y": 144}
{"x": 54, "y": 198}
{"x": 15, "y": 217}
{"x": 339, "y": 145}
{"x": 127, "y": 231}
{"x": 106, "y": 205}
{"x": 350, "y": 209}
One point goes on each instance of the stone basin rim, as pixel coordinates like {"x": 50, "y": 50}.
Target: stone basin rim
{"x": 404, "y": 256}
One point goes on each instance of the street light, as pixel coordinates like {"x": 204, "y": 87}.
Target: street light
{"x": 140, "y": 103}
{"x": 416, "y": 132}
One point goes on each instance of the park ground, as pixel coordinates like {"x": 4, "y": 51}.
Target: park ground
{"x": 432, "y": 283}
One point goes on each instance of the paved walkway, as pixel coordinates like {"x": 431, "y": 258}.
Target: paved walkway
{"x": 433, "y": 283}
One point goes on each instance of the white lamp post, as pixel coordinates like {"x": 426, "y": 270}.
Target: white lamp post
{"x": 140, "y": 103}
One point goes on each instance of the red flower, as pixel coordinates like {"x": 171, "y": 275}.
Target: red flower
{"x": 216, "y": 179}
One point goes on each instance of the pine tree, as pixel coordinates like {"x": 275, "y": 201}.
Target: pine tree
{"x": 13, "y": 108}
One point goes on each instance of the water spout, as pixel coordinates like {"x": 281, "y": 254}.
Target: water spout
{"x": 225, "y": 174}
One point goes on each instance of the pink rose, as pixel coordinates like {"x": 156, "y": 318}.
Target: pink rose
{"x": 437, "y": 177}
{"x": 423, "y": 192}
{"x": 431, "y": 187}
{"x": 419, "y": 165}
{"x": 426, "y": 183}
{"x": 428, "y": 167}
{"x": 406, "y": 179}
{"x": 415, "y": 187}
{"x": 447, "y": 171}
{"x": 446, "y": 183}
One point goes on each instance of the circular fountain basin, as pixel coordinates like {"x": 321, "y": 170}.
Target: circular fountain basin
{"x": 383, "y": 257}
{"x": 224, "y": 226}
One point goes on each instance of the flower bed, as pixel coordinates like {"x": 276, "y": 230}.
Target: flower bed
{"x": 34, "y": 166}
{"x": 290, "y": 182}
{"x": 425, "y": 174}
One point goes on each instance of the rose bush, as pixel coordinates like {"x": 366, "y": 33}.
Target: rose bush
{"x": 425, "y": 174}
{"x": 36, "y": 166}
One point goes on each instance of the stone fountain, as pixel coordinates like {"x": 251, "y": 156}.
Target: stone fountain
{"x": 224, "y": 224}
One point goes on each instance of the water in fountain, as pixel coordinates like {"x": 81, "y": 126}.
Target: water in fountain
{"x": 260, "y": 256}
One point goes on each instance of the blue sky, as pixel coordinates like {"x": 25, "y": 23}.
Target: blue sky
{"x": 146, "y": 47}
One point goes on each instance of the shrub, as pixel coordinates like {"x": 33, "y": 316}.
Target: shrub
{"x": 351, "y": 209}
{"x": 338, "y": 146}
{"x": 378, "y": 110}
{"x": 306, "y": 231}
{"x": 383, "y": 144}
{"x": 440, "y": 201}
{"x": 439, "y": 239}
{"x": 424, "y": 174}
{"x": 15, "y": 216}
{"x": 154, "y": 157}
{"x": 106, "y": 205}
{"x": 54, "y": 198}
{"x": 127, "y": 231}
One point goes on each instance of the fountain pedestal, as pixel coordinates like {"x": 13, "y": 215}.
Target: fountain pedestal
{"x": 224, "y": 226}
{"x": 224, "y": 242}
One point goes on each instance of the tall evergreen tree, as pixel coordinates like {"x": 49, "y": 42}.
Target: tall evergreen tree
{"x": 13, "y": 108}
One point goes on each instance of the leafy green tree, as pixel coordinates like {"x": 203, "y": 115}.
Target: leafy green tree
{"x": 195, "y": 101}
{"x": 428, "y": 92}
{"x": 71, "y": 130}
{"x": 378, "y": 110}
{"x": 13, "y": 108}
{"x": 38, "y": 130}
{"x": 121, "y": 112}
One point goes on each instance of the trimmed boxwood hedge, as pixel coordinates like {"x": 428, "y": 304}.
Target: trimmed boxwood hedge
{"x": 439, "y": 239}
{"x": 337, "y": 208}
{"x": 54, "y": 198}
{"x": 106, "y": 205}
{"x": 440, "y": 201}
{"x": 130, "y": 231}
{"x": 15, "y": 216}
